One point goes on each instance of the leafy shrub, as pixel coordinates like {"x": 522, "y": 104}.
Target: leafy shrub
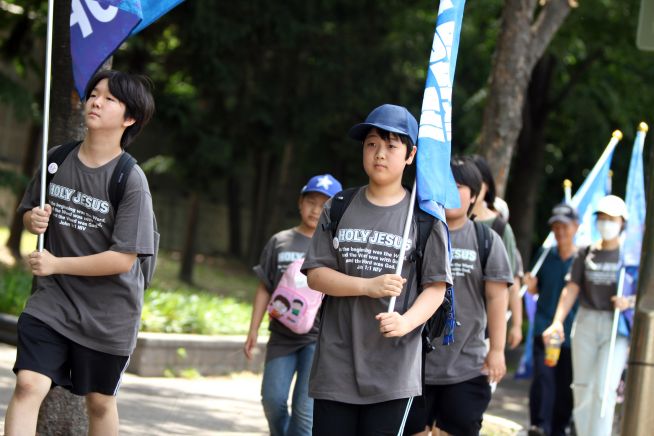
{"x": 166, "y": 311}
{"x": 187, "y": 311}
{"x": 15, "y": 288}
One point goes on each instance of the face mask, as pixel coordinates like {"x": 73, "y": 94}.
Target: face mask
{"x": 609, "y": 229}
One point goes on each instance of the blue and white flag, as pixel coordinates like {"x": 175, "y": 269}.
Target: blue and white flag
{"x": 635, "y": 226}
{"x": 591, "y": 191}
{"x": 436, "y": 186}
{"x": 99, "y": 27}
{"x": 153, "y": 10}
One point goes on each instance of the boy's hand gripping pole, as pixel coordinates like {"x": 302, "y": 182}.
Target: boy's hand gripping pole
{"x": 405, "y": 237}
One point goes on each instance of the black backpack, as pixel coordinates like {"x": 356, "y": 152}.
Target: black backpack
{"x": 444, "y": 319}
{"x": 116, "y": 191}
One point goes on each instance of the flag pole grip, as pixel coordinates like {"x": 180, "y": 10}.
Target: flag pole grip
{"x": 405, "y": 238}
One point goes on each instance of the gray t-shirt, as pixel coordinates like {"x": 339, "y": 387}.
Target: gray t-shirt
{"x": 463, "y": 359}
{"x": 280, "y": 251}
{"x": 596, "y": 274}
{"x": 353, "y": 362}
{"x": 99, "y": 312}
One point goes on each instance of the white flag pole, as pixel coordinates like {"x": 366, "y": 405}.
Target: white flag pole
{"x": 405, "y": 237}
{"x": 614, "y": 334}
{"x": 46, "y": 109}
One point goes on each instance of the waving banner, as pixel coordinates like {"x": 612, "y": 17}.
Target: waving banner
{"x": 99, "y": 27}
{"x": 436, "y": 187}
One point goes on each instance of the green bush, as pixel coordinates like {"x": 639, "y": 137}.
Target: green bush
{"x": 15, "y": 288}
{"x": 167, "y": 311}
{"x": 189, "y": 311}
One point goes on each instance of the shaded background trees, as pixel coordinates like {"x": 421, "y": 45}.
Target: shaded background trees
{"x": 254, "y": 97}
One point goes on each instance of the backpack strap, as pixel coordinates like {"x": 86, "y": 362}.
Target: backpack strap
{"x": 58, "y": 157}
{"x": 340, "y": 203}
{"x": 119, "y": 178}
{"x": 499, "y": 225}
{"x": 484, "y": 241}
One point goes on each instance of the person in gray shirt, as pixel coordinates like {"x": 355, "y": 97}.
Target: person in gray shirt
{"x": 288, "y": 354}
{"x": 368, "y": 361}
{"x": 457, "y": 376}
{"x": 80, "y": 324}
{"x": 593, "y": 279}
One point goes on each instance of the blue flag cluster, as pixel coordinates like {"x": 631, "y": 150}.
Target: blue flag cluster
{"x": 436, "y": 188}
{"x": 635, "y": 226}
{"x": 99, "y": 27}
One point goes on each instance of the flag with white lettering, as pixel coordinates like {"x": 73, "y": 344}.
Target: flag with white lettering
{"x": 634, "y": 227}
{"x": 436, "y": 186}
{"x": 99, "y": 27}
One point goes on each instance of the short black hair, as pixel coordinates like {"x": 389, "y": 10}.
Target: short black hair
{"x": 134, "y": 91}
{"x": 487, "y": 178}
{"x": 466, "y": 173}
{"x": 386, "y": 136}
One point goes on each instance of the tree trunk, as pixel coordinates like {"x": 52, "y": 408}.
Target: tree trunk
{"x": 522, "y": 193}
{"x": 63, "y": 413}
{"x": 188, "y": 251}
{"x": 234, "y": 215}
{"x": 277, "y": 207}
{"x": 522, "y": 42}
{"x": 258, "y": 208}
{"x": 27, "y": 169}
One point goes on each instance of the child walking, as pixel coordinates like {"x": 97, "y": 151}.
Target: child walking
{"x": 593, "y": 279}
{"x": 368, "y": 361}
{"x": 288, "y": 353}
{"x": 80, "y": 324}
{"x": 457, "y": 376}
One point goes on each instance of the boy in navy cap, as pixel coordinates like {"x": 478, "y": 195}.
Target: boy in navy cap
{"x": 288, "y": 353}
{"x": 368, "y": 361}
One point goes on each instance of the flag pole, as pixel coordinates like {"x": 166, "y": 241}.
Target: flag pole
{"x": 630, "y": 199}
{"x": 614, "y": 333}
{"x": 405, "y": 237}
{"x": 46, "y": 109}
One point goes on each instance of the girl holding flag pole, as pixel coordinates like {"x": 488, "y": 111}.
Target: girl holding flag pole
{"x": 593, "y": 280}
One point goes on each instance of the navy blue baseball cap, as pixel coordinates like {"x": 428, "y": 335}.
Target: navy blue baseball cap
{"x": 324, "y": 184}
{"x": 389, "y": 117}
{"x": 563, "y": 213}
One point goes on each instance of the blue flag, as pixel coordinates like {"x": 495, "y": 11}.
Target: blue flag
{"x": 635, "y": 226}
{"x": 436, "y": 187}
{"x": 153, "y": 10}
{"x": 99, "y": 27}
{"x": 591, "y": 191}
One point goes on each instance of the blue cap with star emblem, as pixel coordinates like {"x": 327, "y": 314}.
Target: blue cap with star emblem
{"x": 324, "y": 184}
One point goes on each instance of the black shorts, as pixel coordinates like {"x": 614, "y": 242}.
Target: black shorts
{"x": 68, "y": 364}
{"x": 457, "y": 408}
{"x": 342, "y": 419}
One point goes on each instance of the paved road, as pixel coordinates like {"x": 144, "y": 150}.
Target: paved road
{"x": 230, "y": 405}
